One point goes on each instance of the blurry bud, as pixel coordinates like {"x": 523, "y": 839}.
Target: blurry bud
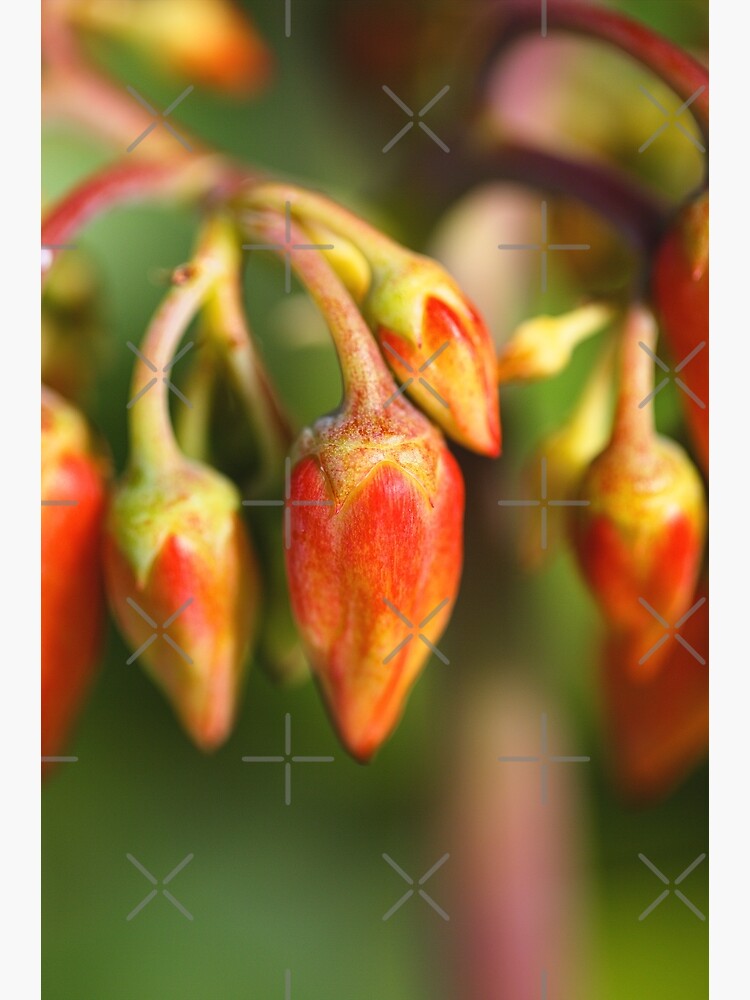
{"x": 71, "y": 326}
{"x": 542, "y": 346}
{"x": 177, "y": 549}
{"x": 376, "y": 542}
{"x": 208, "y": 41}
{"x": 641, "y": 536}
{"x": 566, "y": 453}
{"x": 417, "y": 310}
{"x": 680, "y": 285}
{"x": 72, "y": 591}
{"x": 658, "y": 726}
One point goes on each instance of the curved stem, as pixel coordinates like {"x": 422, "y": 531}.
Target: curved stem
{"x": 640, "y": 217}
{"x": 227, "y": 324}
{"x": 130, "y": 182}
{"x": 367, "y": 381}
{"x": 152, "y": 439}
{"x": 684, "y": 74}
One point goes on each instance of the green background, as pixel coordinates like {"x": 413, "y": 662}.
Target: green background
{"x": 304, "y": 887}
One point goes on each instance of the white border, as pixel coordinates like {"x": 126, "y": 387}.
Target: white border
{"x": 20, "y": 837}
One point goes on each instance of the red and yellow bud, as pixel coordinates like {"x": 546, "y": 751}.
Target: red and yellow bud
{"x": 437, "y": 344}
{"x": 73, "y": 498}
{"x": 680, "y": 285}
{"x": 658, "y": 727}
{"x": 180, "y": 569}
{"x": 432, "y": 337}
{"x": 640, "y": 537}
{"x": 207, "y": 41}
{"x": 374, "y": 561}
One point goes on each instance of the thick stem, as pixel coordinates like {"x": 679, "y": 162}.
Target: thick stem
{"x": 128, "y": 182}
{"x": 152, "y": 440}
{"x": 367, "y": 381}
{"x": 634, "y": 415}
{"x": 637, "y": 215}
{"x": 684, "y": 74}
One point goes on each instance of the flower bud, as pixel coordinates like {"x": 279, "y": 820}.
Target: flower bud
{"x": 374, "y": 560}
{"x": 640, "y": 537}
{"x": 73, "y": 492}
{"x": 658, "y": 726}
{"x": 680, "y": 284}
{"x": 208, "y": 41}
{"x": 437, "y": 344}
{"x": 542, "y": 346}
{"x": 183, "y": 585}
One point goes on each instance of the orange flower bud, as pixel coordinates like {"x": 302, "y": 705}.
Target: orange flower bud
{"x": 639, "y": 540}
{"x": 73, "y": 489}
{"x": 374, "y": 560}
{"x": 437, "y": 345}
{"x": 208, "y": 41}
{"x": 183, "y": 585}
{"x": 680, "y": 283}
{"x": 658, "y": 727}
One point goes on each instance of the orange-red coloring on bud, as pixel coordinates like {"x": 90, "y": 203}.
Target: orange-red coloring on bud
{"x": 640, "y": 538}
{"x": 183, "y": 585}
{"x": 451, "y": 372}
{"x": 73, "y": 498}
{"x": 680, "y": 284}
{"x": 374, "y": 561}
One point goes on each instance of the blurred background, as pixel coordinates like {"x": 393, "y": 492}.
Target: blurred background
{"x": 540, "y": 894}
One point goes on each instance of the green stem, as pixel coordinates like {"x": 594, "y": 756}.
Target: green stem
{"x": 311, "y": 207}
{"x": 227, "y": 324}
{"x": 153, "y": 443}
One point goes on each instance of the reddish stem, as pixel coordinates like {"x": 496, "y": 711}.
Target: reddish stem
{"x": 136, "y": 181}
{"x": 684, "y": 74}
{"x": 639, "y": 216}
